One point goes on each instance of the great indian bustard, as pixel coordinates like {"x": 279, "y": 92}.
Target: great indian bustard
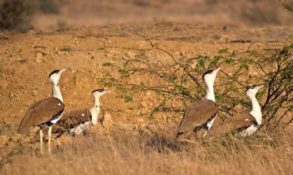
{"x": 78, "y": 121}
{"x": 200, "y": 114}
{"x": 45, "y": 113}
{"x": 244, "y": 124}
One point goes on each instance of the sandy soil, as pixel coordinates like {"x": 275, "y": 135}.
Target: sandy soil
{"x": 26, "y": 59}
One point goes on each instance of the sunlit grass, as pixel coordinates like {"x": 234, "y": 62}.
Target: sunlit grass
{"x": 129, "y": 153}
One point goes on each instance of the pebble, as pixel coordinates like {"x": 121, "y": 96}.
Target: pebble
{"x": 12, "y": 94}
{"x": 39, "y": 55}
{"x": 4, "y": 140}
{"x": 35, "y": 92}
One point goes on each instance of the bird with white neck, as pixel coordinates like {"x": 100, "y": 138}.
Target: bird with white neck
{"x": 45, "y": 113}
{"x": 255, "y": 112}
{"x": 54, "y": 79}
{"x": 209, "y": 79}
{"x": 243, "y": 124}
{"x": 201, "y": 114}
{"x": 78, "y": 121}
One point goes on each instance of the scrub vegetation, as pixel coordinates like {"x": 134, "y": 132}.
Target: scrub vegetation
{"x": 17, "y": 15}
{"x": 180, "y": 81}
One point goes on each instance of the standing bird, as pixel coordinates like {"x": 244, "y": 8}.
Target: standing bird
{"x": 78, "y": 121}
{"x": 45, "y": 113}
{"x": 245, "y": 124}
{"x": 201, "y": 114}
{"x": 255, "y": 112}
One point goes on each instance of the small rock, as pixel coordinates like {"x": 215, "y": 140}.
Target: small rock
{"x": 12, "y": 94}
{"x": 131, "y": 54}
{"x": 149, "y": 93}
{"x": 38, "y": 60}
{"x": 144, "y": 104}
{"x": 4, "y": 140}
{"x": 39, "y": 55}
{"x": 35, "y": 92}
{"x": 58, "y": 52}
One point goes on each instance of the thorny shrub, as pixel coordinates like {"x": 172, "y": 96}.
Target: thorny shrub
{"x": 181, "y": 80}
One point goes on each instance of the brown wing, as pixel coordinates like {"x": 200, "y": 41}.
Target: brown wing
{"x": 235, "y": 123}
{"x": 41, "y": 112}
{"x": 243, "y": 121}
{"x": 197, "y": 114}
{"x": 74, "y": 118}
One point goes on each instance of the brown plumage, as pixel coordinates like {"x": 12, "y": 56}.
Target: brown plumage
{"x": 72, "y": 119}
{"x": 197, "y": 114}
{"x": 41, "y": 113}
{"x": 75, "y": 118}
{"x": 232, "y": 124}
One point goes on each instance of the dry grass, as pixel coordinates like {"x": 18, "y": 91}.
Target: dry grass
{"x": 128, "y": 153}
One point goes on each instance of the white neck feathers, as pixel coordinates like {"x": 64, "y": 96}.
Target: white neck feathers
{"x": 256, "y": 110}
{"x": 95, "y": 111}
{"x": 209, "y": 79}
{"x": 210, "y": 94}
{"x": 56, "y": 92}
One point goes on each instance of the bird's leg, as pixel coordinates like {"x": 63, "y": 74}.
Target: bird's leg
{"x": 41, "y": 140}
{"x": 49, "y": 141}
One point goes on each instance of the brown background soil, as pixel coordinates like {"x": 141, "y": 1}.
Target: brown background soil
{"x": 27, "y": 59}
{"x": 240, "y": 13}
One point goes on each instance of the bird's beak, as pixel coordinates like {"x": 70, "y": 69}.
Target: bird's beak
{"x": 106, "y": 92}
{"x": 217, "y": 70}
{"x": 259, "y": 87}
{"x": 61, "y": 71}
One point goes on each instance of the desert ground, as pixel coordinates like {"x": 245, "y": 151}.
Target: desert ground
{"x": 133, "y": 141}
